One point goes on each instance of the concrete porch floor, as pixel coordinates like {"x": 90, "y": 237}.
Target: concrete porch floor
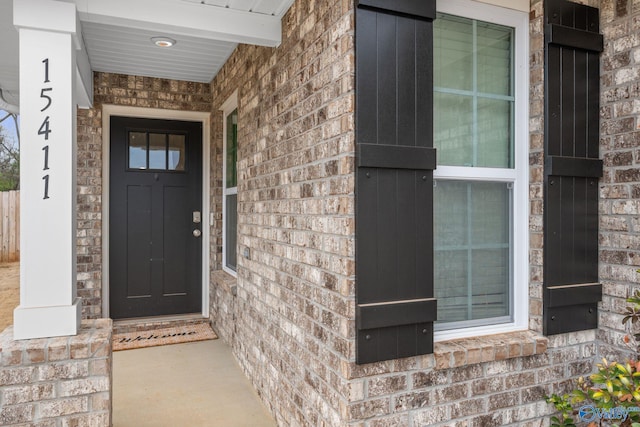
{"x": 193, "y": 384}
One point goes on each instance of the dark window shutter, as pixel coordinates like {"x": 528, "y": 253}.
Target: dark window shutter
{"x": 572, "y": 167}
{"x": 394, "y": 181}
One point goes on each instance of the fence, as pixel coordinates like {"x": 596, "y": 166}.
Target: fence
{"x": 9, "y": 226}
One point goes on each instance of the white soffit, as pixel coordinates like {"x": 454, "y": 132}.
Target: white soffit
{"x": 124, "y": 50}
{"x": 232, "y": 21}
{"x": 118, "y": 33}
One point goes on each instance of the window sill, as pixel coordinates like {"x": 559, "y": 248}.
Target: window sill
{"x": 490, "y": 348}
{"x": 225, "y": 281}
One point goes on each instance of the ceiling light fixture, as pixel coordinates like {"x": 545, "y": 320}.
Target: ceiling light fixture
{"x": 163, "y": 41}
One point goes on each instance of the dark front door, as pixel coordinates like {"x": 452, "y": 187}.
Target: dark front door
{"x": 155, "y": 248}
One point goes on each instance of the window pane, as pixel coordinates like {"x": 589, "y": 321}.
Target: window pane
{"x": 494, "y": 58}
{"x": 473, "y": 102}
{"x": 490, "y": 213}
{"x": 451, "y": 278}
{"x": 137, "y": 150}
{"x": 453, "y": 129}
{"x": 472, "y": 236}
{"x": 231, "y": 230}
{"x": 176, "y": 152}
{"x": 451, "y": 204}
{"x": 494, "y": 134}
{"x": 157, "y": 151}
{"x": 232, "y": 150}
{"x": 453, "y": 52}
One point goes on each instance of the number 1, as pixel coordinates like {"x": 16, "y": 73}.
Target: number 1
{"x": 46, "y": 187}
{"x": 46, "y": 70}
{"x": 46, "y": 157}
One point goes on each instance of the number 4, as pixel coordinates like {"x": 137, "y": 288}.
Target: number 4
{"x": 44, "y": 129}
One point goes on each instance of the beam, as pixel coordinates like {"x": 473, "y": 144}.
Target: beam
{"x": 185, "y": 18}
{"x": 60, "y": 18}
{"x": 84, "y": 75}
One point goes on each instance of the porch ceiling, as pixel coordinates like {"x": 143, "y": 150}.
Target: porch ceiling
{"x": 117, "y": 36}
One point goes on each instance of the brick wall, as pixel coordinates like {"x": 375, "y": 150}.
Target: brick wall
{"x": 536, "y": 163}
{"x": 291, "y": 324}
{"x": 63, "y": 381}
{"x": 115, "y": 89}
{"x": 620, "y": 186}
{"x": 292, "y": 317}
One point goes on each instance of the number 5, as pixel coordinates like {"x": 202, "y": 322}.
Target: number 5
{"x": 47, "y": 97}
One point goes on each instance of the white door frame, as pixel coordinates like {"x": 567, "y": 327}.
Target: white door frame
{"x": 154, "y": 113}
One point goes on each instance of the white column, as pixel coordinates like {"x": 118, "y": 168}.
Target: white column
{"x": 48, "y": 303}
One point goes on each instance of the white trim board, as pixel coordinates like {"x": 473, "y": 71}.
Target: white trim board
{"x": 153, "y": 113}
{"x": 227, "y": 108}
{"x": 521, "y": 5}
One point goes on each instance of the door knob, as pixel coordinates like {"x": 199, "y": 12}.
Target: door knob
{"x": 196, "y": 233}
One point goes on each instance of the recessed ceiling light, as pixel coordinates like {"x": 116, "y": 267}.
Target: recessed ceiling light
{"x": 163, "y": 41}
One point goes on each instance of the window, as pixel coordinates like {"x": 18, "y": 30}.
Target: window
{"x": 156, "y": 151}
{"x": 230, "y": 187}
{"x": 481, "y": 188}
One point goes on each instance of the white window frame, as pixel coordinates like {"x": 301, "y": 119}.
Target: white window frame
{"x": 227, "y": 108}
{"x": 518, "y": 176}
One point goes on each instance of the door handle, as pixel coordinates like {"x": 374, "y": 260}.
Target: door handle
{"x": 197, "y": 233}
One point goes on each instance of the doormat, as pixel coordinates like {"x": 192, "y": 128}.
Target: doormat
{"x": 163, "y": 336}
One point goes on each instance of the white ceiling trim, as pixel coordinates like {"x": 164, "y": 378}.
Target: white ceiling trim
{"x": 268, "y": 7}
{"x": 185, "y": 18}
